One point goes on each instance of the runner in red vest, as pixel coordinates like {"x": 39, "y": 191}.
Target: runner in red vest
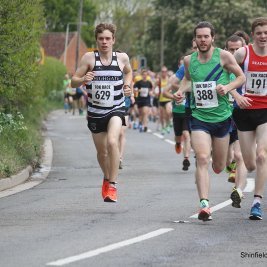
{"x": 251, "y": 118}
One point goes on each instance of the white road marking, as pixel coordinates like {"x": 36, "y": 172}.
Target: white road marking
{"x": 169, "y": 141}
{"x": 158, "y": 135}
{"x": 250, "y": 185}
{"x": 249, "y": 188}
{"x": 217, "y": 207}
{"x": 108, "y": 248}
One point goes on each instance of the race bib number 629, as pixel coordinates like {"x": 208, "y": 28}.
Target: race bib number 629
{"x": 103, "y": 95}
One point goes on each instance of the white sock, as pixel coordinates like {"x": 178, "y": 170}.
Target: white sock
{"x": 256, "y": 200}
{"x": 239, "y": 191}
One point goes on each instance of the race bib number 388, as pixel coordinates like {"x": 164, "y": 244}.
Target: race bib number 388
{"x": 103, "y": 95}
{"x": 256, "y": 83}
{"x": 205, "y": 94}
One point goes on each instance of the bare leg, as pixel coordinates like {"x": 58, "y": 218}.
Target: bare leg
{"x": 261, "y": 159}
{"x": 187, "y": 144}
{"x": 201, "y": 143}
{"x": 114, "y": 129}
{"x": 122, "y": 138}
{"x": 247, "y": 142}
{"x": 219, "y": 153}
{"x": 100, "y": 141}
{"x": 241, "y": 170}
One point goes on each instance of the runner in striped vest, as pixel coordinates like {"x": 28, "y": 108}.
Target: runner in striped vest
{"x": 107, "y": 76}
{"x": 105, "y": 91}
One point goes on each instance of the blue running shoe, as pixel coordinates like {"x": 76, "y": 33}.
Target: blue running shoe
{"x": 135, "y": 126}
{"x": 255, "y": 212}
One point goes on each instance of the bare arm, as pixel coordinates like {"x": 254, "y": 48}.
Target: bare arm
{"x": 240, "y": 55}
{"x": 82, "y": 75}
{"x": 173, "y": 84}
{"x": 185, "y": 85}
{"x": 229, "y": 64}
{"x": 125, "y": 65}
{"x": 242, "y": 102}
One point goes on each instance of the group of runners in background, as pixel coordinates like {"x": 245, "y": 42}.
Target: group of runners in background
{"x": 216, "y": 103}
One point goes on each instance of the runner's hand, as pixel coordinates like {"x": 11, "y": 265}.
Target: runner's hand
{"x": 127, "y": 90}
{"x": 88, "y": 77}
{"x": 178, "y": 97}
{"x": 221, "y": 89}
{"x": 243, "y": 101}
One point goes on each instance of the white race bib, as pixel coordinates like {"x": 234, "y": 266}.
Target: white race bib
{"x": 144, "y": 92}
{"x": 205, "y": 94}
{"x": 103, "y": 94}
{"x": 231, "y": 99}
{"x": 256, "y": 83}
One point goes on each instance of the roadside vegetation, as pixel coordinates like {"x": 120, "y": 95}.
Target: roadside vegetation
{"x": 29, "y": 89}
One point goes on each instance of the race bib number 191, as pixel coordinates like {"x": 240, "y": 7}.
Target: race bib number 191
{"x": 103, "y": 95}
{"x": 256, "y": 83}
{"x": 205, "y": 94}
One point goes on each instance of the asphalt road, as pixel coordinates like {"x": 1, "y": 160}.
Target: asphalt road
{"x": 64, "y": 221}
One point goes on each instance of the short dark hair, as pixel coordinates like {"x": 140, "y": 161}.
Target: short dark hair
{"x": 205, "y": 24}
{"x": 258, "y": 22}
{"x": 144, "y": 70}
{"x": 243, "y": 35}
{"x": 105, "y": 26}
{"x": 234, "y": 38}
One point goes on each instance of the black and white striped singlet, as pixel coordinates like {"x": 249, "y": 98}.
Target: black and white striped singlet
{"x": 105, "y": 92}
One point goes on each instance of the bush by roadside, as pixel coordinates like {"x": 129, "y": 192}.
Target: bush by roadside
{"x": 28, "y": 90}
{"x": 20, "y": 144}
{"x": 20, "y": 132}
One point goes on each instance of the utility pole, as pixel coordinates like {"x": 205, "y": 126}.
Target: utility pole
{"x": 66, "y": 43}
{"x": 79, "y": 24}
{"x": 162, "y": 41}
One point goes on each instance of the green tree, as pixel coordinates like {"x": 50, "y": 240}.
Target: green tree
{"x": 58, "y": 13}
{"x": 226, "y": 16}
{"x": 21, "y": 26}
{"x": 131, "y": 18}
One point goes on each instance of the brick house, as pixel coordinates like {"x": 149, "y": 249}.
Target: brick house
{"x": 53, "y": 44}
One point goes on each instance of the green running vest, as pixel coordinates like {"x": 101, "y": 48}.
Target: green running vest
{"x": 205, "y": 76}
{"x": 178, "y": 108}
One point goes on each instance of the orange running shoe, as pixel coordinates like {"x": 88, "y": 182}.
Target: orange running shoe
{"x": 205, "y": 214}
{"x": 178, "y": 148}
{"x": 111, "y": 194}
{"x": 105, "y": 186}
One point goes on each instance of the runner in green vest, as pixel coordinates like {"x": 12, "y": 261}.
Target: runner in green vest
{"x": 180, "y": 125}
{"x": 207, "y": 75}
